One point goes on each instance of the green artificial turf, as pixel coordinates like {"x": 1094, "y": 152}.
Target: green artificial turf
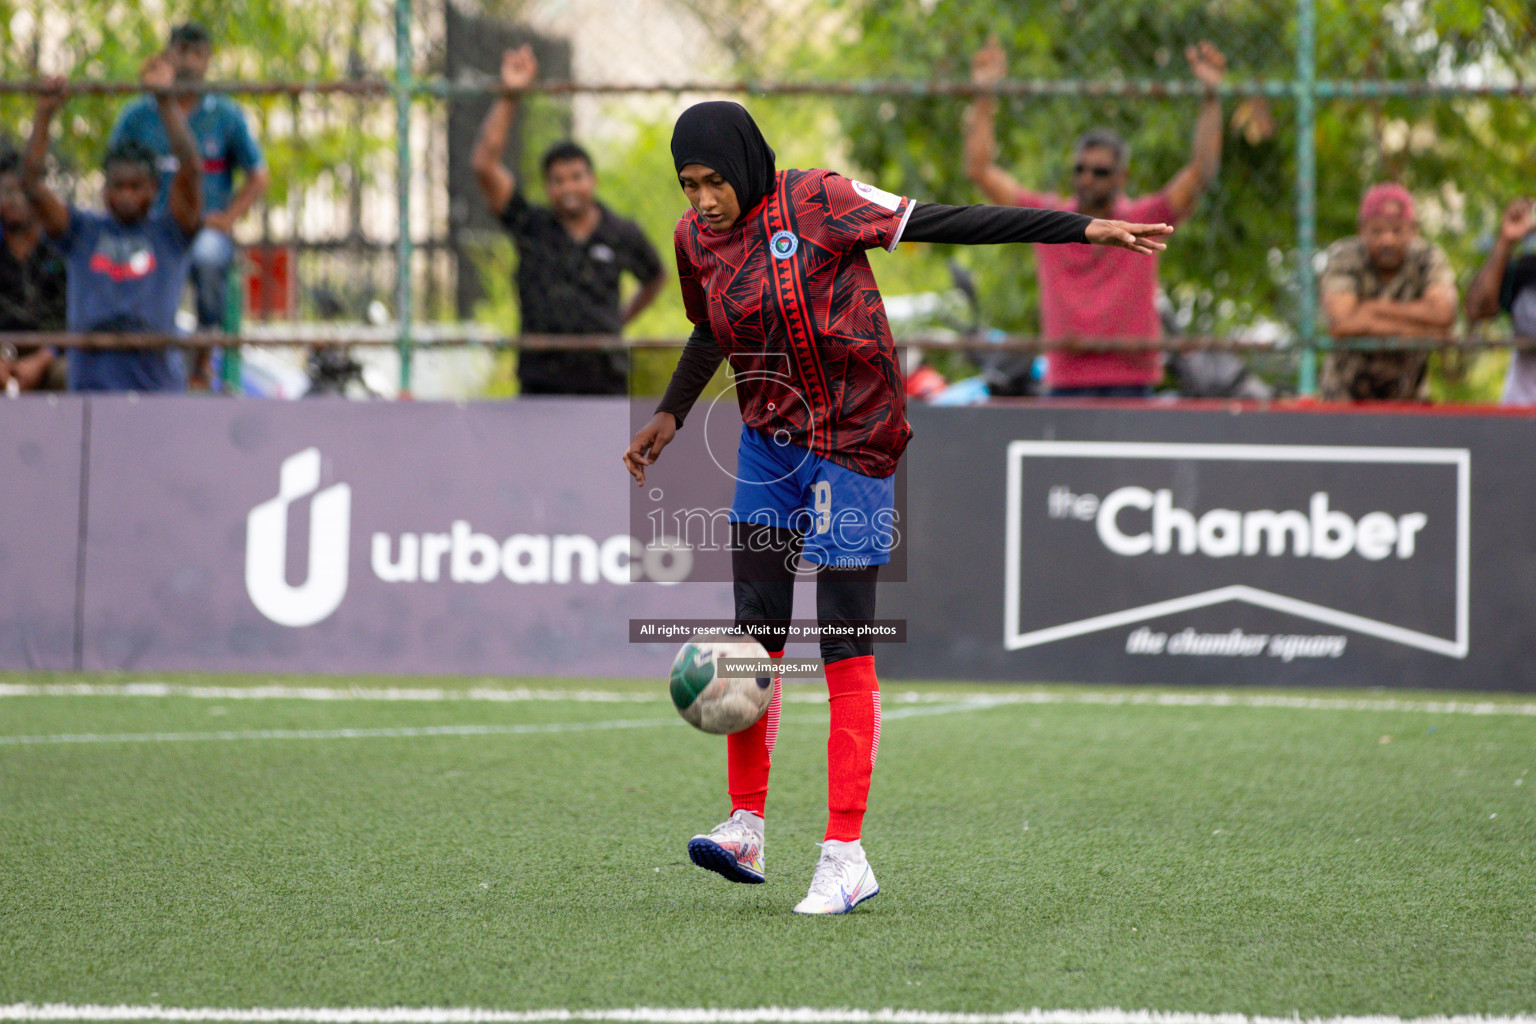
{"x": 1061, "y": 855}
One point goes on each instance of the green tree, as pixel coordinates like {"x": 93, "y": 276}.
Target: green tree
{"x": 254, "y": 40}
{"x": 1232, "y": 263}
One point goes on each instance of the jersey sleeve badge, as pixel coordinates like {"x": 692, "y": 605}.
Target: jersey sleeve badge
{"x": 879, "y": 197}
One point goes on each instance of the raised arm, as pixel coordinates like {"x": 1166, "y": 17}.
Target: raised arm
{"x": 1184, "y": 188}
{"x": 186, "y": 195}
{"x": 518, "y": 69}
{"x": 50, "y": 209}
{"x": 988, "y": 67}
{"x": 1483, "y": 296}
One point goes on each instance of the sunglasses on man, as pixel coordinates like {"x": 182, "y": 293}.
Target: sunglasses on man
{"x": 1097, "y": 170}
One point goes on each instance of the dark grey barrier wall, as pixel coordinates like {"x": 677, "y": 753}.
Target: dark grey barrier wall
{"x": 1220, "y": 548}
{"x": 40, "y": 452}
{"x": 1043, "y": 543}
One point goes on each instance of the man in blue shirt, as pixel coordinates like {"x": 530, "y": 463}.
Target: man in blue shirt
{"x": 127, "y": 265}
{"x": 224, "y": 146}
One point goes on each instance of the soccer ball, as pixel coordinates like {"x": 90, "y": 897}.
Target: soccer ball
{"x": 713, "y": 702}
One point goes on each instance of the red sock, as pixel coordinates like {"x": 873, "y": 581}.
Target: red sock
{"x": 854, "y": 741}
{"x": 749, "y": 755}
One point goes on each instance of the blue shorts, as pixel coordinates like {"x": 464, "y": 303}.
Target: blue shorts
{"x": 848, "y": 519}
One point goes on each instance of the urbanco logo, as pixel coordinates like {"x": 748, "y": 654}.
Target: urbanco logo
{"x": 458, "y": 555}
{"x": 266, "y": 546}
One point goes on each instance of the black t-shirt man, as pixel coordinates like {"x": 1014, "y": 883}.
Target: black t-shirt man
{"x": 570, "y": 253}
{"x": 567, "y": 285}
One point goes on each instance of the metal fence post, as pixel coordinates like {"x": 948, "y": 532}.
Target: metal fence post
{"x": 1306, "y": 192}
{"x": 404, "y": 85}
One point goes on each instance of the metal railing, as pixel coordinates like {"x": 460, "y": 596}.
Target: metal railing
{"x": 1305, "y": 89}
{"x": 288, "y": 335}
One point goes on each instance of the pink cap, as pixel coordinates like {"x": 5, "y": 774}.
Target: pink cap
{"x": 1379, "y": 198}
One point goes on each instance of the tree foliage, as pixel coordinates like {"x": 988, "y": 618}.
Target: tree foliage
{"x": 1234, "y": 261}
{"x": 102, "y": 40}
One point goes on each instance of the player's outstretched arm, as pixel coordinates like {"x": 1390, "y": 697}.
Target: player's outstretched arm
{"x": 1003, "y": 225}
{"x": 1142, "y": 238}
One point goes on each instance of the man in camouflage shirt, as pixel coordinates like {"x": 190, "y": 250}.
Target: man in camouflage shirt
{"x": 1385, "y": 282}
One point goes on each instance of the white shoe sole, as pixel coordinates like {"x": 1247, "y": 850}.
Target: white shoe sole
{"x": 828, "y": 908}
{"x": 711, "y": 856}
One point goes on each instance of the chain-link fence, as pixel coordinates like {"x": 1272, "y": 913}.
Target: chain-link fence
{"x": 1320, "y": 99}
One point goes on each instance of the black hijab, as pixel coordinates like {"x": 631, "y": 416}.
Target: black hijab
{"x": 722, "y": 136}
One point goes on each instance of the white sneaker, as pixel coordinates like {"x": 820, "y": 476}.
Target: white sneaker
{"x": 733, "y": 848}
{"x": 842, "y": 881}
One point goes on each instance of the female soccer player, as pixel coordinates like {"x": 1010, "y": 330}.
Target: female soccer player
{"x": 774, "y": 277}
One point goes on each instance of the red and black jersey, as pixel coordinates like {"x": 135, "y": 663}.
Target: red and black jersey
{"x": 791, "y": 301}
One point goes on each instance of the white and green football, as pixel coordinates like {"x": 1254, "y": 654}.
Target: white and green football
{"x": 712, "y": 701}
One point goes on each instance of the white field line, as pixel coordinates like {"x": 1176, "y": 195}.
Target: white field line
{"x": 656, "y": 1015}
{"x": 332, "y": 734}
{"x": 1226, "y": 700}
{"x": 409, "y": 732}
{"x": 277, "y": 691}
{"x": 1152, "y": 698}
{"x": 923, "y": 710}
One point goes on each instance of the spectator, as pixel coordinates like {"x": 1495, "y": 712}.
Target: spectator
{"x": 1510, "y": 284}
{"x": 32, "y": 287}
{"x": 1385, "y": 282}
{"x": 570, "y": 254}
{"x": 127, "y": 266}
{"x": 225, "y": 146}
{"x": 1092, "y": 291}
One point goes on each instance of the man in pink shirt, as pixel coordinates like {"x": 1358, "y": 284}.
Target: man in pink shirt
{"x": 1088, "y": 291}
